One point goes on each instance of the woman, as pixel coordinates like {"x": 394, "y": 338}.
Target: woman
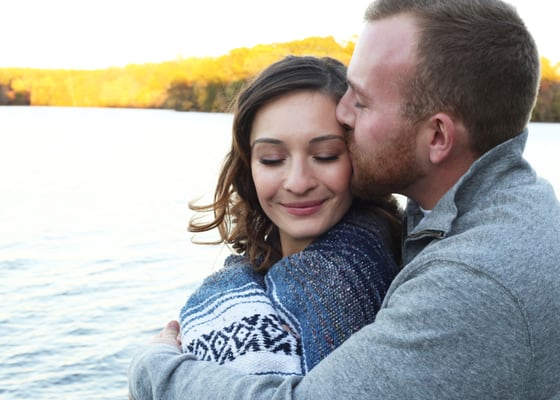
{"x": 280, "y": 305}
{"x": 312, "y": 263}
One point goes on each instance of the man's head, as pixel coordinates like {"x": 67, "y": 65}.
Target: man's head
{"x": 444, "y": 81}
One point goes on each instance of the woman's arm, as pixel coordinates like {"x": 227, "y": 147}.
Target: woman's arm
{"x": 333, "y": 288}
{"x": 231, "y": 320}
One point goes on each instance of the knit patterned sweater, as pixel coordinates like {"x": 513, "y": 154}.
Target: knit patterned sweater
{"x": 306, "y": 305}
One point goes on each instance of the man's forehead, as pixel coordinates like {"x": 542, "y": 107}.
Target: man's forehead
{"x": 387, "y": 41}
{"x": 384, "y": 48}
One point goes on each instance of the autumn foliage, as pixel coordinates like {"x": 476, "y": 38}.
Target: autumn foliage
{"x": 194, "y": 84}
{"x": 197, "y": 84}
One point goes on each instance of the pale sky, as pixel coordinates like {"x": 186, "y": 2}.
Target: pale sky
{"x": 103, "y": 33}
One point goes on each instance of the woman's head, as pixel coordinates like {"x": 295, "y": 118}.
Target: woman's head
{"x": 238, "y": 213}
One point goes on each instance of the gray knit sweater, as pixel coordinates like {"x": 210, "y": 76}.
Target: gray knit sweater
{"x": 474, "y": 314}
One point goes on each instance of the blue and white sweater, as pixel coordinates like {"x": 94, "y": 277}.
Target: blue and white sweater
{"x": 306, "y": 305}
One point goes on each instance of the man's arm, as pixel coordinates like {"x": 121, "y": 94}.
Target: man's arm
{"x": 161, "y": 371}
{"x": 446, "y": 332}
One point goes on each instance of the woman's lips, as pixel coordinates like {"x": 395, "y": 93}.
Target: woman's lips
{"x": 303, "y": 208}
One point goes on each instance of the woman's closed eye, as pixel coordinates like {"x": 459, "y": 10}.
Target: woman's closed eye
{"x": 326, "y": 157}
{"x": 271, "y": 161}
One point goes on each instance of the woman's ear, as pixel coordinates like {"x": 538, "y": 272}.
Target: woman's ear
{"x": 443, "y": 136}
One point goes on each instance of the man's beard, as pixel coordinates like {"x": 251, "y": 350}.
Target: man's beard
{"x": 392, "y": 169}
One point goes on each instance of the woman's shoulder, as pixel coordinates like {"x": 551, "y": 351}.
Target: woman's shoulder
{"x": 361, "y": 231}
{"x": 236, "y": 268}
{"x": 357, "y": 229}
{"x": 366, "y": 220}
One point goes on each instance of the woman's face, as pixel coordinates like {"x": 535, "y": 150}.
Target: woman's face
{"x": 300, "y": 166}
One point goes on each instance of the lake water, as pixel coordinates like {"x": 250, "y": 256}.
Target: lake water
{"x": 94, "y": 252}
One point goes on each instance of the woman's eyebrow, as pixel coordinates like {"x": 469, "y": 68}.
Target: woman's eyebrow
{"x": 316, "y": 139}
{"x": 266, "y": 140}
{"x": 327, "y": 137}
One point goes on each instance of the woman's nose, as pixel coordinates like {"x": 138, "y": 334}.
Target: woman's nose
{"x": 300, "y": 178}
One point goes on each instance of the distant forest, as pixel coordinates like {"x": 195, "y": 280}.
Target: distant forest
{"x": 205, "y": 84}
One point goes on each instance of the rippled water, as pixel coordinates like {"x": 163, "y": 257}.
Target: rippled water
{"x": 94, "y": 252}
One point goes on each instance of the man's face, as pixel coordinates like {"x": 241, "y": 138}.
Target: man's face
{"x": 382, "y": 144}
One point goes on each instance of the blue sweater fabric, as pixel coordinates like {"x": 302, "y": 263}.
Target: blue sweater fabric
{"x": 306, "y": 305}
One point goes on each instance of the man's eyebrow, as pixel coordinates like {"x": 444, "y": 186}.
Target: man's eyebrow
{"x": 355, "y": 88}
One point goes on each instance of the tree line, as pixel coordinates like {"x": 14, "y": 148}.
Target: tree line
{"x": 205, "y": 84}
{"x": 191, "y": 84}
{"x": 547, "y": 108}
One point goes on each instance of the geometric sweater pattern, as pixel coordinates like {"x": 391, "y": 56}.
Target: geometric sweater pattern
{"x": 286, "y": 321}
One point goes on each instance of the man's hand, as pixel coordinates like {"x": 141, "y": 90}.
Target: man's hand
{"x": 169, "y": 335}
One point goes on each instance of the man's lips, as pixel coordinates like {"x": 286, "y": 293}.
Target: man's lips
{"x": 303, "y": 208}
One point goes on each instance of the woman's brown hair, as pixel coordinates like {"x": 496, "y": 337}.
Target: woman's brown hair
{"x": 237, "y": 214}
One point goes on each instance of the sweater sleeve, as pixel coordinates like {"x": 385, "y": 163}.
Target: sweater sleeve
{"x": 418, "y": 348}
{"x": 332, "y": 289}
{"x": 230, "y": 320}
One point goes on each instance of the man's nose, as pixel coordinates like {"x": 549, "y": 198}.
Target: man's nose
{"x": 344, "y": 113}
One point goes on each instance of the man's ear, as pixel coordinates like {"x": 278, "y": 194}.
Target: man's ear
{"x": 443, "y": 131}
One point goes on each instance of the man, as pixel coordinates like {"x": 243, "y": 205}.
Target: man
{"x": 440, "y": 94}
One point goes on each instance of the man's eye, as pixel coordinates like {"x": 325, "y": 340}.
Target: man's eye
{"x": 358, "y": 105}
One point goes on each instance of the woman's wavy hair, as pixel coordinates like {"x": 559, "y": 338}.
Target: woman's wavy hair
{"x": 237, "y": 214}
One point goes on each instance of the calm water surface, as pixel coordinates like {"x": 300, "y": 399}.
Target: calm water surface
{"x": 94, "y": 252}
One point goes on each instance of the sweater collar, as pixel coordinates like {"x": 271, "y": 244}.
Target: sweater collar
{"x": 483, "y": 175}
